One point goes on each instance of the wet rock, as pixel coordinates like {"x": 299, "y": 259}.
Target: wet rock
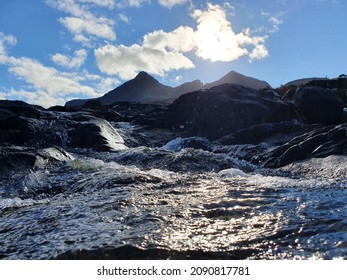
{"x": 275, "y": 133}
{"x": 15, "y": 158}
{"x": 226, "y": 109}
{"x": 177, "y": 144}
{"x": 91, "y": 132}
{"x": 321, "y": 142}
{"x": 99, "y": 112}
{"x": 34, "y": 127}
{"x": 318, "y": 105}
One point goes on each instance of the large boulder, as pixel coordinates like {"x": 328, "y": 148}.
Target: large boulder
{"x": 226, "y": 109}
{"x": 34, "y": 127}
{"x": 320, "y": 142}
{"x": 91, "y": 132}
{"x": 318, "y": 105}
{"x": 15, "y": 158}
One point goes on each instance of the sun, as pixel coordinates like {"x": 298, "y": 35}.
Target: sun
{"x": 215, "y": 39}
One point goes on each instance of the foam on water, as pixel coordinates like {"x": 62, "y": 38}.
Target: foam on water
{"x": 17, "y": 202}
{"x": 232, "y": 172}
{"x": 152, "y": 198}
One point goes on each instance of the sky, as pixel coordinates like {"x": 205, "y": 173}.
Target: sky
{"x": 52, "y": 51}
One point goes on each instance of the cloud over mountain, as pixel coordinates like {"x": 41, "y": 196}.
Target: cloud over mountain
{"x": 126, "y": 62}
{"x": 117, "y": 38}
{"x": 161, "y": 52}
{"x": 216, "y": 40}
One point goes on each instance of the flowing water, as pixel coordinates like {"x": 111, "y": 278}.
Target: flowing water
{"x": 177, "y": 200}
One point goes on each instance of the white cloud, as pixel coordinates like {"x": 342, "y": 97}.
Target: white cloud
{"x": 79, "y": 26}
{"x": 70, "y": 62}
{"x": 83, "y": 22}
{"x": 161, "y": 52}
{"x": 5, "y": 40}
{"x": 82, "y": 39}
{"x": 170, "y": 3}
{"x": 70, "y": 7}
{"x": 126, "y": 62}
{"x": 50, "y": 86}
{"x": 276, "y": 22}
{"x": 25, "y": 95}
{"x": 179, "y": 40}
{"x": 259, "y": 52}
{"x": 102, "y": 3}
{"x": 124, "y": 18}
{"x": 107, "y": 84}
{"x": 215, "y": 39}
{"x": 178, "y": 78}
{"x": 135, "y": 3}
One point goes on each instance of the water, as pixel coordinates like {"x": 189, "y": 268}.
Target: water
{"x": 177, "y": 199}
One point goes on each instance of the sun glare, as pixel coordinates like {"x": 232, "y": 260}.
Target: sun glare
{"x": 215, "y": 39}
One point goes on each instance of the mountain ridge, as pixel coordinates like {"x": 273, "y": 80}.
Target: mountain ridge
{"x": 234, "y": 77}
{"x": 146, "y": 89}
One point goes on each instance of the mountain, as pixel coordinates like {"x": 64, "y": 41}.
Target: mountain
{"x": 239, "y": 79}
{"x": 144, "y": 89}
{"x": 304, "y": 81}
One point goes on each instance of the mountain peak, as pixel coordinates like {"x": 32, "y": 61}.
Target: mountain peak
{"x": 234, "y": 77}
{"x": 144, "y": 76}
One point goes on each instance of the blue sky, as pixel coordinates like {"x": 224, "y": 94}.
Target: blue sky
{"x": 52, "y": 51}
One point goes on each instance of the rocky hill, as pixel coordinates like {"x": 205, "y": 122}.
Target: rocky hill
{"x": 239, "y": 79}
{"x": 146, "y": 89}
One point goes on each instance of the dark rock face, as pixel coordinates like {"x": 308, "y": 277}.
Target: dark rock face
{"x": 146, "y": 89}
{"x": 32, "y": 127}
{"x": 275, "y": 133}
{"x": 319, "y": 142}
{"x": 90, "y": 132}
{"x": 14, "y": 158}
{"x": 226, "y": 109}
{"x": 318, "y": 105}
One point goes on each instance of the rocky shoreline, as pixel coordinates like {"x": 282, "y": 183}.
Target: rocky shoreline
{"x": 227, "y": 157}
{"x": 308, "y": 122}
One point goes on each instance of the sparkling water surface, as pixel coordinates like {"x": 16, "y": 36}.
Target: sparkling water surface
{"x": 186, "y": 200}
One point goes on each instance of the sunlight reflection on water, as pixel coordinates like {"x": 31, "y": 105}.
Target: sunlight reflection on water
{"x": 102, "y": 204}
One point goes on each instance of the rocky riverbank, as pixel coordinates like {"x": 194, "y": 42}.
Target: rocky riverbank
{"x": 226, "y": 173}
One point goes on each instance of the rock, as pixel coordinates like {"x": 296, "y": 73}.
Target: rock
{"x": 320, "y": 142}
{"x": 274, "y": 133}
{"x": 179, "y": 143}
{"x": 100, "y": 112}
{"x": 226, "y": 109}
{"x": 40, "y": 129}
{"x": 318, "y": 105}
{"x": 15, "y": 158}
{"x": 93, "y": 104}
{"x": 91, "y": 132}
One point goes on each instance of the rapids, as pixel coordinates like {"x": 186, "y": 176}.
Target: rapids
{"x": 176, "y": 199}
